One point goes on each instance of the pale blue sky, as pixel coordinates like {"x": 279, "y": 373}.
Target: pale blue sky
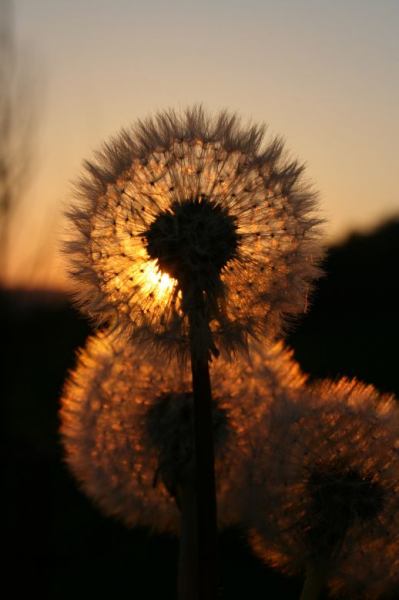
{"x": 324, "y": 74}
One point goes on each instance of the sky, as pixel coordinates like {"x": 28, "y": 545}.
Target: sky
{"x": 323, "y": 74}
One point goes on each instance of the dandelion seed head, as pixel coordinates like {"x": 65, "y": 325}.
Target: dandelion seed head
{"x": 127, "y": 433}
{"x": 325, "y": 485}
{"x": 203, "y": 201}
{"x": 126, "y": 426}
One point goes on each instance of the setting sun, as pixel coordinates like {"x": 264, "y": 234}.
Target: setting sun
{"x": 157, "y": 282}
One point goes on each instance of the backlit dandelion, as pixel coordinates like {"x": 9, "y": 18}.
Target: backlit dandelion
{"x": 188, "y": 209}
{"x": 127, "y": 427}
{"x": 127, "y": 431}
{"x": 324, "y": 494}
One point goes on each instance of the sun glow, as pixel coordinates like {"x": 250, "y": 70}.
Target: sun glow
{"x": 156, "y": 282}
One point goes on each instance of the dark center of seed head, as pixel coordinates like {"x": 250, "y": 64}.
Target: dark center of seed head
{"x": 169, "y": 425}
{"x": 193, "y": 241}
{"x": 338, "y": 500}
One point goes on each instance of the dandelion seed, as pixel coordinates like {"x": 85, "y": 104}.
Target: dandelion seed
{"x": 324, "y": 493}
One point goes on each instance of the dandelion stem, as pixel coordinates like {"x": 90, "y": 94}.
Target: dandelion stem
{"x": 205, "y": 488}
{"x": 205, "y": 481}
{"x": 314, "y": 582}
{"x": 188, "y": 545}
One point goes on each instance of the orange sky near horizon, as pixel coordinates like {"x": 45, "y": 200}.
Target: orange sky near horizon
{"x": 324, "y": 75}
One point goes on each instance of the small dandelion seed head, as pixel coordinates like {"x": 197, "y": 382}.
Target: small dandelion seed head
{"x": 205, "y": 203}
{"x": 127, "y": 432}
{"x": 126, "y": 426}
{"x": 324, "y": 485}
